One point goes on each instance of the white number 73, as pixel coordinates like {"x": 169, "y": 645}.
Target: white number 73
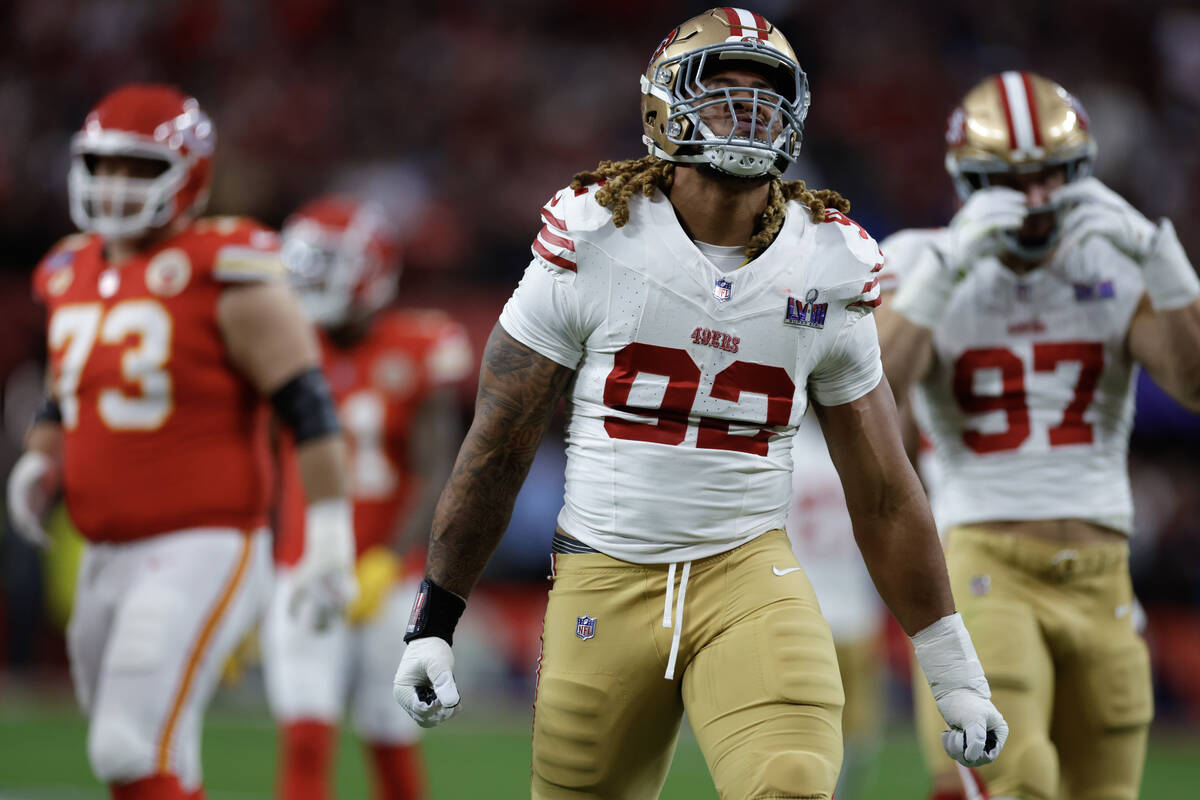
{"x": 74, "y": 330}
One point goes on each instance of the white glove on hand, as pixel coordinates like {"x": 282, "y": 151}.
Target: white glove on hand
{"x": 1096, "y": 210}
{"x": 32, "y": 484}
{"x": 977, "y": 231}
{"x": 424, "y": 684}
{"x": 1092, "y": 209}
{"x": 947, "y": 657}
{"x": 323, "y": 581}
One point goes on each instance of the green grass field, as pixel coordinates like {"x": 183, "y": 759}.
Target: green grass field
{"x": 42, "y": 758}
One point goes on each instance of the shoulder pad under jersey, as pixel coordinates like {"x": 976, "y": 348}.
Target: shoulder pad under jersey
{"x": 239, "y": 249}
{"x": 569, "y": 214}
{"x": 853, "y": 280}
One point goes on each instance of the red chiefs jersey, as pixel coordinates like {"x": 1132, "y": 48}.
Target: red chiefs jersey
{"x": 379, "y": 384}
{"x": 160, "y": 431}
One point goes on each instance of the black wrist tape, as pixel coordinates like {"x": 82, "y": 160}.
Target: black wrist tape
{"x": 435, "y": 612}
{"x": 305, "y": 405}
{"x": 48, "y": 411}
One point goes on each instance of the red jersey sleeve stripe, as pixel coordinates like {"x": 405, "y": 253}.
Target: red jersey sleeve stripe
{"x": 875, "y": 303}
{"x": 552, "y": 238}
{"x": 553, "y": 220}
{"x": 557, "y": 261}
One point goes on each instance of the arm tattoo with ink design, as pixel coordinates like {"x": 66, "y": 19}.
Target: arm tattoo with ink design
{"x": 518, "y": 391}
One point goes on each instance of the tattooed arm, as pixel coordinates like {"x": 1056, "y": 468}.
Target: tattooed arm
{"x": 518, "y": 390}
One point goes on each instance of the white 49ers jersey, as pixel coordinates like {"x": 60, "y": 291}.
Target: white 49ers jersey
{"x": 690, "y": 381}
{"x": 1029, "y": 401}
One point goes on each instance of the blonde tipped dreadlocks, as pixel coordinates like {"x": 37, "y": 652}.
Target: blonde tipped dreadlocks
{"x": 643, "y": 175}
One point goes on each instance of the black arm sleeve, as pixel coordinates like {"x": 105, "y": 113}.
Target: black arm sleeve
{"x": 305, "y": 405}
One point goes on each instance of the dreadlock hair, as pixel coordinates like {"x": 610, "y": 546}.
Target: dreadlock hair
{"x": 622, "y": 179}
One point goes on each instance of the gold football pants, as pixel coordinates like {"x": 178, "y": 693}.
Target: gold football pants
{"x": 1054, "y": 632}
{"x": 755, "y": 671}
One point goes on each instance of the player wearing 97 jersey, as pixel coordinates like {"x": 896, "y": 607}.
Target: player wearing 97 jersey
{"x": 1021, "y": 326}
{"x": 691, "y": 306}
{"x": 165, "y": 333}
{"x": 394, "y": 376}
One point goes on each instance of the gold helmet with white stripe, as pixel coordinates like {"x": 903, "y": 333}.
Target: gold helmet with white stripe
{"x": 678, "y": 105}
{"x": 1016, "y": 123}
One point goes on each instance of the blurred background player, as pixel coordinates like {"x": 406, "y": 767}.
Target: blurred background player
{"x": 165, "y": 335}
{"x": 1022, "y": 325}
{"x": 823, "y": 540}
{"x": 395, "y": 375}
{"x": 689, "y": 304}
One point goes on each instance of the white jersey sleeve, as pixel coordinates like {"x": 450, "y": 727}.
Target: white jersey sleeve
{"x": 851, "y": 366}
{"x": 905, "y": 249}
{"x": 546, "y": 313}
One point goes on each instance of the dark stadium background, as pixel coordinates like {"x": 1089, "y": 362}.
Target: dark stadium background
{"x": 463, "y": 117}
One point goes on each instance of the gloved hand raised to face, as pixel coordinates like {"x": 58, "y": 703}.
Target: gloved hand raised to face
{"x": 424, "y": 684}
{"x": 976, "y": 732}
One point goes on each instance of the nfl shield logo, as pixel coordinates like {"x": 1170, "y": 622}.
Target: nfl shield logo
{"x": 722, "y": 289}
{"x": 585, "y": 627}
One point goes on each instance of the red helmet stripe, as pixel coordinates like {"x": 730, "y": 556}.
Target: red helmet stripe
{"x": 1012, "y": 137}
{"x": 760, "y": 23}
{"x": 735, "y": 21}
{"x": 1033, "y": 115}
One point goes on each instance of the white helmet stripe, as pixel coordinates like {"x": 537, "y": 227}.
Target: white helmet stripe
{"x": 1018, "y": 102}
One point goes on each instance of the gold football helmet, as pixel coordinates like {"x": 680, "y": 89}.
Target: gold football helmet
{"x": 765, "y": 125}
{"x": 1016, "y": 122}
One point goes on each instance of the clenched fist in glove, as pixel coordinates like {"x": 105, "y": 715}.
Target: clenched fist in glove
{"x": 424, "y": 684}
{"x": 976, "y": 732}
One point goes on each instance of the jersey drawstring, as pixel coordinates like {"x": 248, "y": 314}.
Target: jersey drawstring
{"x": 678, "y": 608}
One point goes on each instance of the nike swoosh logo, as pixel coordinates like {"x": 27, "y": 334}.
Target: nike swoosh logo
{"x": 782, "y": 572}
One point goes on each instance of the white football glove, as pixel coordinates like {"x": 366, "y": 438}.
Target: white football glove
{"x": 1095, "y": 210}
{"x": 32, "y": 485}
{"x": 424, "y": 684}
{"x": 323, "y": 581}
{"x": 947, "y": 657}
{"x": 1092, "y": 209}
{"x": 977, "y": 231}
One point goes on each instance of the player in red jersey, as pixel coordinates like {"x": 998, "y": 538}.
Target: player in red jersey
{"x": 166, "y": 334}
{"x": 394, "y": 375}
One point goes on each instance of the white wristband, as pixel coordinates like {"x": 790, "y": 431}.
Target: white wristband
{"x": 924, "y": 295}
{"x": 1171, "y": 281}
{"x": 947, "y": 657}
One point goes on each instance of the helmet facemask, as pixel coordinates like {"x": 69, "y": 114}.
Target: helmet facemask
{"x": 765, "y": 125}
{"x": 336, "y": 275}
{"x": 123, "y": 206}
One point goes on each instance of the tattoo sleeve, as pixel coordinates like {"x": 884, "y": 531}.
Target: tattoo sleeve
{"x": 518, "y": 390}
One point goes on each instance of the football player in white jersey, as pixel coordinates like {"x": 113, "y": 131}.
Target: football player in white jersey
{"x": 690, "y": 305}
{"x": 823, "y": 540}
{"x": 1022, "y": 325}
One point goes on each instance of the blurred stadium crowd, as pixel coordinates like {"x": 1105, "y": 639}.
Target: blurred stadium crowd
{"x": 463, "y": 116}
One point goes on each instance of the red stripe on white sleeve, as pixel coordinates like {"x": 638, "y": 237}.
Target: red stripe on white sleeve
{"x": 550, "y": 237}
{"x": 558, "y": 261}
{"x": 553, "y": 220}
